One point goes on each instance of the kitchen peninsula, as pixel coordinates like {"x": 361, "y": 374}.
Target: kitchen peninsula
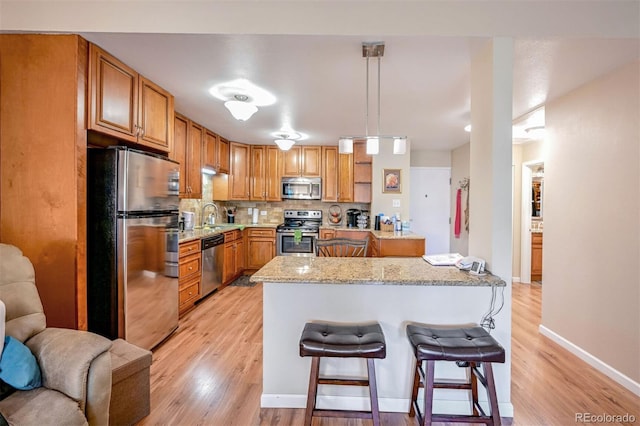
{"x": 391, "y": 291}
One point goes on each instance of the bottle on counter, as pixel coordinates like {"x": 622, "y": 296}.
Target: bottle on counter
{"x": 397, "y": 223}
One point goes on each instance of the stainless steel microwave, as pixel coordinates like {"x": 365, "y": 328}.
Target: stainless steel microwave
{"x": 301, "y": 188}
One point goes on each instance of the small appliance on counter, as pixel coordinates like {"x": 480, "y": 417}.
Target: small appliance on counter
{"x": 352, "y": 217}
{"x": 189, "y": 220}
{"x": 231, "y": 214}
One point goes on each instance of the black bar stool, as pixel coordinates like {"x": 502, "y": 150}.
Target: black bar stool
{"x": 469, "y": 347}
{"x": 342, "y": 341}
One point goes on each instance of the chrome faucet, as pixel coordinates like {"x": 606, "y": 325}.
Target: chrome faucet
{"x": 215, "y": 215}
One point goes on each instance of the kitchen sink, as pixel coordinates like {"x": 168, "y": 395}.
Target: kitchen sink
{"x": 220, "y": 227}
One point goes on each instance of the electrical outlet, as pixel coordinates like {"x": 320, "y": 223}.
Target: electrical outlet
{"x": 250, "y": 210}
{"x": 263, "y": 212}
{"x": 396, "y": 202}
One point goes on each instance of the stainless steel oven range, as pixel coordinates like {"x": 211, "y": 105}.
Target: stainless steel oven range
{"x": 307, "y": 224}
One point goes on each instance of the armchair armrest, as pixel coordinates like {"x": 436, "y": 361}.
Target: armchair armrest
{"x": 65, "y": 358}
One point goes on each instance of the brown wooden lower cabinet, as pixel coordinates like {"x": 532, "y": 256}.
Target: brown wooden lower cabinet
{"x": 189, "y": 272}
{"x": 400, "y": 247}
{"x": 234, "y": 256}
{"x": 261, "y": 247}
{"x": 536, "y": 256}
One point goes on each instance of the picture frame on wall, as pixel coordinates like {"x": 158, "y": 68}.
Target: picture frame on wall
{"x": 392, "y": 181}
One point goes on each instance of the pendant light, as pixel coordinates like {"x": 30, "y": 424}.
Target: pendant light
{"x": 345, "y": 143}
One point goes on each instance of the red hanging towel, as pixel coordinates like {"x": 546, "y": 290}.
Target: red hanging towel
{"x": 456, "y": 226}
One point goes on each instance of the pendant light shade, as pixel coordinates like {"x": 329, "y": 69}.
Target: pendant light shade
{"x": 399, "y": 146}
{"x": 345, "y": 146}
{"x": 373, "y": 145}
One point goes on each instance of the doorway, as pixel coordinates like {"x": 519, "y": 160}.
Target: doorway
{"x": 532, "y": 199}
{"x": 430, "y": 206}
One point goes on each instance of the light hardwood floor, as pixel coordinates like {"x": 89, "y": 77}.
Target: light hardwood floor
{"x": 210, "y": 371}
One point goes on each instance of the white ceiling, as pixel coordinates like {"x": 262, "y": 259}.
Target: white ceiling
{"x": 318, "y": 74}
{"x": 319, "y": 81}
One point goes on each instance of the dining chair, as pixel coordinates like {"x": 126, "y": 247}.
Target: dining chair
{"x": 341, "y": 247}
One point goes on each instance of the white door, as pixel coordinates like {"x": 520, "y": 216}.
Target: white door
{"x": 430, "y": 206}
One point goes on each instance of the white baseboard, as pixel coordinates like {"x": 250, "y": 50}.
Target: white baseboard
{"x": 515, "y": 279}
{"x": 596, "y": 363}
{"x": 387, "y": 405}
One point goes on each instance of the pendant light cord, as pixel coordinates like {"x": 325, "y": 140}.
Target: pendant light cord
{"x": 378, "y": 135}
{"x": 366, "y": 126}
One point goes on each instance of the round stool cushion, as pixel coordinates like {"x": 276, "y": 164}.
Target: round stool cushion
{"x": 471, "y": 344}
{"x": 343, "y": 341}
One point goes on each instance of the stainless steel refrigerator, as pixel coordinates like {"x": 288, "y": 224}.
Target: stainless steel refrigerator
{"x": 132, "y": 245}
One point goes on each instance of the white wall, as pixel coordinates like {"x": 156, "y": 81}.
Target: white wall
{"x": 490, "y": 169}
{"x": 591, "y": 292}
{"x": 383, "y": 202}
{"x": 459, "y": 171}
{"x": 430, "y": 158}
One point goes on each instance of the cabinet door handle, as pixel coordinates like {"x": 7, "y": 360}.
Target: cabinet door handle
{"x": 191, "y": 268}
{"x": 141, "y": 132}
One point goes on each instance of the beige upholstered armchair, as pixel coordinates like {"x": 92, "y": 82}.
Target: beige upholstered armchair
{"x": 75, "y": 365}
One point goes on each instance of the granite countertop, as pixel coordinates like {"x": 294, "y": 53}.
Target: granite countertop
{"x": 368, "y": 270}
{"x": 196, "y": 234}
{"x": 403, "y": 235}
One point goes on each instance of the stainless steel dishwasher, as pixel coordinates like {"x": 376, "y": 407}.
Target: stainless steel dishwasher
{"x": 212, "y": 259}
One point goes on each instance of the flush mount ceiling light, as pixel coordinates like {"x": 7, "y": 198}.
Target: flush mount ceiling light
{"x": 242, "y": 98}
{"x": 345, "y": 143}
{"x": 536, "y": 132}
{"x": 285, "y": 140}
{"x": 284, "y": 144}
{"x": 241, "y": 108}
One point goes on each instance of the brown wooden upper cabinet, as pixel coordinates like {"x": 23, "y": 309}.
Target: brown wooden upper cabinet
{"x": 188, "y": 141}
{"x": 223, "y": 155}
{"x": 239, "y": 172}
{"x": 126, "y": 105}
{"x": 337, "y": 175}
{"x": 265, "y": 173}
{"x": 210, "y": 150}
{"x": 302, "y": 161}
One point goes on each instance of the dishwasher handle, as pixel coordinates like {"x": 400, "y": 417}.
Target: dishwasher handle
{"x": 214, "y": 240}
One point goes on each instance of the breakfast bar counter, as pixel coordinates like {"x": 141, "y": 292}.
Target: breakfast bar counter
{"x": 368, "y": 271}
{"x": 391, "y": 291}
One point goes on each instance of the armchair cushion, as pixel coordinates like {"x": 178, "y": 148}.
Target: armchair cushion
{"x": 18, "y": 366}
{"x": 25, "y": 314}
{"x": 65, "y": 367}
{"x": 41, "y": 407}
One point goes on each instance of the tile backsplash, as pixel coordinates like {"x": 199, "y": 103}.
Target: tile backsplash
{"x": 274, "y": 209}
